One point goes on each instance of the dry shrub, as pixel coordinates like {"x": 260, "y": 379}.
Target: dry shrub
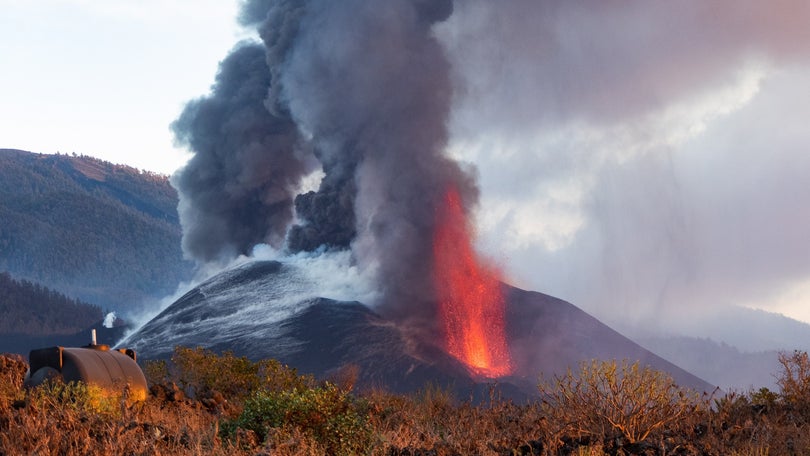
{"x": 756, "y": 423}
{"x": 345, "y": 377}
{"x": 416, "y": 421}
{"x": 604, "y": 402}
{"x": 794, "y": 382}
{"x": 763, "y": 422}
{"x": 432, "y": 422}
{"x": 74, "y": 419}
{"x": 12, "y": 372}
{"x": 81, "y": 419}
{"x": 286, "y": 414}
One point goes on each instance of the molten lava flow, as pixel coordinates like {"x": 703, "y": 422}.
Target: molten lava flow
{"x": 471, "y": 303}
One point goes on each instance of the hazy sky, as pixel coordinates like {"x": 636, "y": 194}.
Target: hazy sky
{"x": 106, "y": 77}
{"x": 636, "y": 158}
{"x": 644, "y": 160}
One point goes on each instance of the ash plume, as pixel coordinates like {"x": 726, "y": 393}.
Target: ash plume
{"x": 238, "y": 188}
{"x": 366, "y": 85}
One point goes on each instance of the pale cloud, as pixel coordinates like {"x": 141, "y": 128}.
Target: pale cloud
{"x": 793, "y": 300}
{"x": 639, "y": 158}
{"x": 106, "y": 78}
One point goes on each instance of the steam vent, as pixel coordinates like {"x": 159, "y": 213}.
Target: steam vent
{"x": 112, "y": 370}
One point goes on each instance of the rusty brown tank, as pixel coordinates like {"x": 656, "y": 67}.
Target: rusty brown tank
{"x": 115, "y": 371}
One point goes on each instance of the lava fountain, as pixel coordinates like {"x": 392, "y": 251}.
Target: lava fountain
{"x": 471, "y": 303}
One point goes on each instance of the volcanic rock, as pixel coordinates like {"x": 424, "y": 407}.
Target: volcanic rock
{"x": 267, "y": 309}
{"x": 270, "y": 309}
{"x": 548, "y": 335}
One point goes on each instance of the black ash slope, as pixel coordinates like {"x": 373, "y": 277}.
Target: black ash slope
{"x": 268, "y": 309}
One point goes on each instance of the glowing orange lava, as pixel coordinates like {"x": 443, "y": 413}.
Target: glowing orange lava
{"x": 471, "y": 303}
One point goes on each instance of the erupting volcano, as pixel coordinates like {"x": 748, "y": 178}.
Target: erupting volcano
{"x": 358, "y": 94}
{"x": 471, "y": 304}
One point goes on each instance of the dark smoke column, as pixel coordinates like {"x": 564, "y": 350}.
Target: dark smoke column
{"x": 368, "y": 82}
{"x": 364, "y": 86}
{"x": 237, "y": 190}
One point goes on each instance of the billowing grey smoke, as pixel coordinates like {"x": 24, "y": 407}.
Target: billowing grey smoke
{"x": 368, "y": 86}
{"x": 238, "y": 188}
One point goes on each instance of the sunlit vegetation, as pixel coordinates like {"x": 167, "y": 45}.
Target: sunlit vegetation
{"x": 207, "y": 403}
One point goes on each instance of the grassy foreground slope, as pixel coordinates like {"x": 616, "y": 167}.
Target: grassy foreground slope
{"x": 203, "y": 403}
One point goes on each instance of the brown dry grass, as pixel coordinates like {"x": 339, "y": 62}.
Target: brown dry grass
{"x": 433, "y": 420}
{"x": 198, "y": 419}
{"x": 44, "y": 425}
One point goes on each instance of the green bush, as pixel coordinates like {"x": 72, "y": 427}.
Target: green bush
{"x": 78, "y": 397}
{"x": 156, "y": 371}
{"x": 197, "y": 370}
{"x": 330, "y": 416}
{"x": 200, "y": 369}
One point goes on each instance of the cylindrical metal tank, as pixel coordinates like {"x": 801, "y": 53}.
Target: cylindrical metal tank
{"x": 113, "y": 370}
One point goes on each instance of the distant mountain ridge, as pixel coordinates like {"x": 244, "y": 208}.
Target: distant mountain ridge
{"x": 731, "y": 346}
{"x": 718, "y": 363}
{"x": 103, "y": 233}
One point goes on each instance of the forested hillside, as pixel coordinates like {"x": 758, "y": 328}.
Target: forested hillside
{"x": 106, "y": 234}
{"x": 31, "y": 309}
